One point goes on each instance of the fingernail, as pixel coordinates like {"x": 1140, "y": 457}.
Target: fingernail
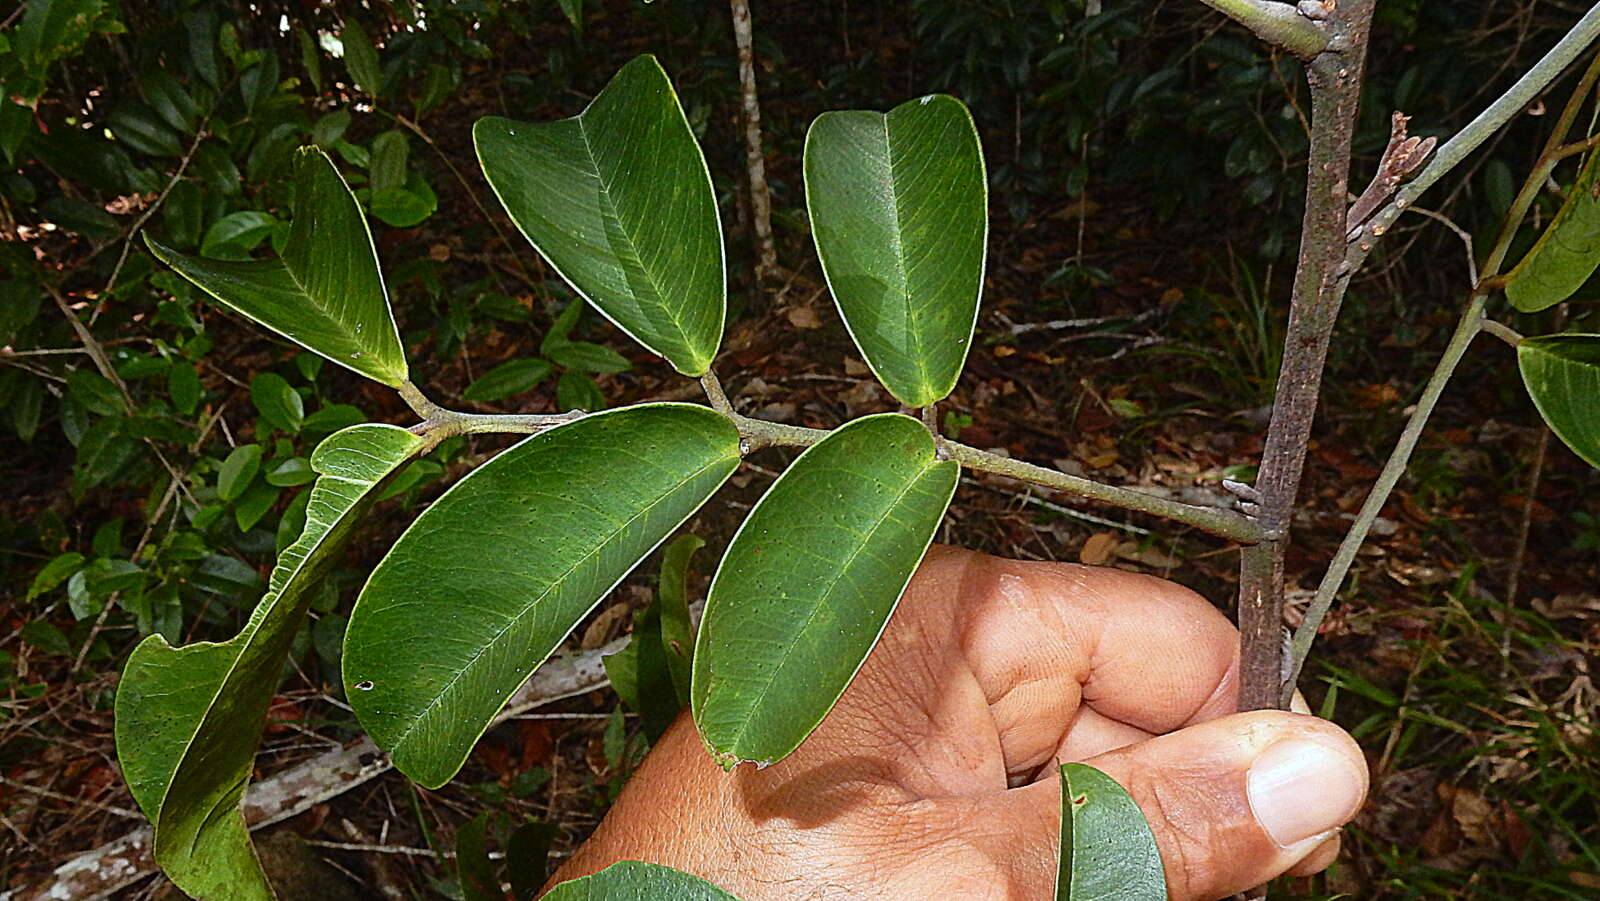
{"x": 1301, "y": 788}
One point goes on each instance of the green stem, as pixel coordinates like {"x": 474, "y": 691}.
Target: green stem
{"x": 1502, "y": 331}
{"x": 715, "y": 394}
{"x": 1223, "y": 523}
{"x": 1279, "y": 24}
{"x": 439, "y": 423}
{"x": 1470, "y": 324}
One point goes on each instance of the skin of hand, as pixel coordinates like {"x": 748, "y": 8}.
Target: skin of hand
{"x": 935, "y": 776}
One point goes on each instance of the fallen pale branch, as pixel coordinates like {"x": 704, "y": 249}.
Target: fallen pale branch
{"x": 94, "y": 875}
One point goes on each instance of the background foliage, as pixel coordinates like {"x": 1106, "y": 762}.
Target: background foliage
{"x": 1144, "y": 171}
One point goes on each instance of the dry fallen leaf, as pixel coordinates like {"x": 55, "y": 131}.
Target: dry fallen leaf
{"x": 1098, "y": 549}
{"x": 605, "y": 626}
{"x": 803, "y": 317}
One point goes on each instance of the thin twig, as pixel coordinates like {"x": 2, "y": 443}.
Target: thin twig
{"x": 200, "y": 134}
{"x": 1489, "y": 122}
{"x": 472, "y": 194}
{"x": 1466, "y": 239}
{"x": 759, "y": 433}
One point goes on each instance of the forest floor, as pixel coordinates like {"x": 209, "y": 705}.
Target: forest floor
{"x": 1476, "y": 704}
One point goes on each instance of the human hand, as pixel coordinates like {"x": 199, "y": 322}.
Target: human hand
{"x": 936, "y": 776}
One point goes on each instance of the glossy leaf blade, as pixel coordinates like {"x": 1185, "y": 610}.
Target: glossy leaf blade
{"x": 619, "y": 200}
{"x": 1566, "y": 254}
{"x": 809, "y": 581}
{"x": 326, "y": 292}
{"x": 188, "y": 719}
{"x": 1108, "y": 852}
{"x": 486, "y": 583}
{"x": 899, "y": 213}
{"x": 633, "y": 880}
{"x": 1562, "y": 375}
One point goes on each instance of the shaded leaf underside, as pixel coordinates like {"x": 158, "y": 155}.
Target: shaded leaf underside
{"x": 189, "y": 719}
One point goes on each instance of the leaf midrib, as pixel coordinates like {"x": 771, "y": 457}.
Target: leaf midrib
{"x": 633, "y": 244}
{"x": 353, "y": 337}
{"x": 918, "y": 358}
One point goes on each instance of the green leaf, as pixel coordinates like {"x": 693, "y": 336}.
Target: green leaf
{"x": 1566, "y": 254}
{"x": 677, "y": 636}
{"x": 632, "y": 880}
{"x": 1562, "y": 374}
{"x": 474, "y": 869}
{"x": 387, "y": 165}
{"x": 529, "y": 543}
{"x": 573, "y": 10}
{"x": 19, "y": 306}
{"x": 46, "y": 638}
{"x": 52, "y": 29}
{"x": 238, "y": 471}
{"x": 330, "y": 128}
{"x": 640, "y": 676}
{"x": 169, "y": 99}
{"x": 137, "y": 126}
{"x": 277, "y": 402}
{"x": 183, "y": 387}
{"x": 576, "y": 391}
{"x": 402, "y": 207}
{"x": 360, "y": 57}
{"x": 233, "y": 236}
{"x": 1108, "y": 852}
{"x": 588, "y": 357}
{"x": 619, "y": 200}
{"x": 507, "y": 379}
{"x": 182, "y": 214}
{"x": 899, "y": 213}
{"x": 55, "y": 572}
{"x": 311, "y": 60}
{"x": 16, "y": 123}
{"x": 25, "y": 406}
{"x": 95, "y": 392}
{"x": 528, "y": 856}
{"x": 809, "y": 581}
{"x": 188, "y": 719}
{"x": 291, "y": 472}
{"x": 561, "y": 327}
{"x": 326, "y": 292}
{"x": 439, "y": 84}
{"x": 254, "y": 504}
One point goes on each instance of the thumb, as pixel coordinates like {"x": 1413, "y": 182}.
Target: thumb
{"x": 1239, "y": 800}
